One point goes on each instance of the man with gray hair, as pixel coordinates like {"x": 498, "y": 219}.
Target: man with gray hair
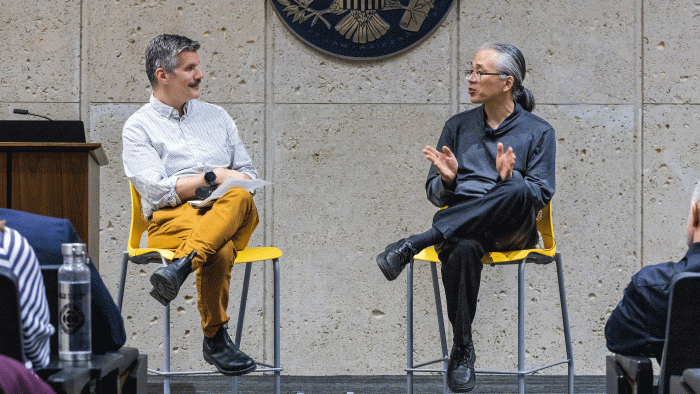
{"x": 493, "y": 170}
{"x": 637, "y": 326}
{"x": 174, "y": 147}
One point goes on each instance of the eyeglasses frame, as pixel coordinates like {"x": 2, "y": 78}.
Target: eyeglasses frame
{"x": 480, "y": 74}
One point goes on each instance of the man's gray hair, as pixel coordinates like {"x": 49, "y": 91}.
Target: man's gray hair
{"x": 696, "y": 193}
{"x": 162, "y": 52}
{"x": 511, "y": 62}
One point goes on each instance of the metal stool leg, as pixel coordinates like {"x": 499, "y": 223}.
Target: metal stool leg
{"x": 166, "y": 348}
{"x": 565, "y": 319}
{"x": 122, "y": 281}
{"x": 441, "y": 324}
{"x": 521, "y": 327}
{"x": 241, "y": 318}
{"x": 244, "y": 300}
{"x": 409, "y": 328}
{"x": 166, "y": 343}
{"x": 276, "y": 266}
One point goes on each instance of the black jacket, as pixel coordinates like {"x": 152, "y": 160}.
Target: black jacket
{"x": 637, "y": 326}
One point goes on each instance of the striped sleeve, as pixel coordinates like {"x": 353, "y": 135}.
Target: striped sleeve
{"x": 18, "y": 255}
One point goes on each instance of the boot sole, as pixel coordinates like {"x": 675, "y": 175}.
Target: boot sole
{"x": 158, "y": 298}
{"x": 164, "y": 288}
{"x": 462, "y": 389}
{"x": 390, "y": 273}
{"x": 230, "y": 373}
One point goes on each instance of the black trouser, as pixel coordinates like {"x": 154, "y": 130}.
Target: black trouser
{"x": 503, "y": 219}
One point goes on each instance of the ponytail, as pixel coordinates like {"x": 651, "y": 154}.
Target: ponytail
{"x": 524, "y": 97}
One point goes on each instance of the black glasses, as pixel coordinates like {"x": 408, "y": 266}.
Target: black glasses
{"x": 477, "y": 74}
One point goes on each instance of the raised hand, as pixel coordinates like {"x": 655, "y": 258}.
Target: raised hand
{"x": 504, "y": 162}
{"x": 445, "y": 162}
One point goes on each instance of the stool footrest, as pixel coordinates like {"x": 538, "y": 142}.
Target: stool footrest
{"x": 440, "y": 360}
{"x": 523, "y": 372}
{"x": 424, "y": 370}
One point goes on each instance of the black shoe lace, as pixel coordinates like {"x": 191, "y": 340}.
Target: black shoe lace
{"x": 407, "y": 251}
{"x": 462, "y": 355}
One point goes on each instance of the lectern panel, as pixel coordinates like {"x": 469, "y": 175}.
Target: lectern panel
{"x": 60, "y": 180}
{"x": 3, "y": 180}
{"x": 52, "y": 184}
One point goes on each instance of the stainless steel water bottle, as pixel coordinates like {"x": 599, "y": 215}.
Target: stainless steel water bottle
{"x": 74, "y": 313}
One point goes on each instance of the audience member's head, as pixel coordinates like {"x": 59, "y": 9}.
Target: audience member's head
{"x": 693, "y": 232}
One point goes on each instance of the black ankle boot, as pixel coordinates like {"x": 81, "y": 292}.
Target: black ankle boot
{"x": 166, "y": 281}
{"x": 460, "y": 372}
{"x": 395, "y": 257}
{"x": 225, "y": 356}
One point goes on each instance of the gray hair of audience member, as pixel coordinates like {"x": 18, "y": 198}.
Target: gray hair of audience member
{"x": 511, "y": 62}
{"x": 696, "y": 193}
{"x": 162, "y": 52}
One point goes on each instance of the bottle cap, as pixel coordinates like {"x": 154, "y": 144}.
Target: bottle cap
{"x": 73, "y": 249}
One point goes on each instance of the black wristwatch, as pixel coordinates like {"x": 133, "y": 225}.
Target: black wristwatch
{"x": 210, "y": 178}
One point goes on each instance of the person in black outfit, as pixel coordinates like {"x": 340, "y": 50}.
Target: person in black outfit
{"x": 637, "y": 326}
{"x": 492, "y": 195}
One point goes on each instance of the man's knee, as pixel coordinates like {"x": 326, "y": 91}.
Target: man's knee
{"x": 515, "y": 188}
{"x": 239, "y": 195}
{"x": 222, "y": 259}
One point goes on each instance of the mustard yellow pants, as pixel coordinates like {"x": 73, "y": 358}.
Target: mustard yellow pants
{"x": 216, "y": 233}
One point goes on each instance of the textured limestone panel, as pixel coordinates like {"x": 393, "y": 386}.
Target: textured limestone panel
{"x": 595, "y": 229}
{"x": 56, "y": 111}
{"x": 670, "y": 55}
{"x": 232, "y": 52}
{"x": 348, "y": 181}
{"x": 575, "y": 51}
{"x": 670, "y": 173}
{"x": 41, "y": 50}
{"x": 305, "y": 75}
{"x": 142, "y": 314}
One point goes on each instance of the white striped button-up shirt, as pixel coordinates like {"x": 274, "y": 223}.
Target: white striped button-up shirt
{"x": 19, "y": 257}
{"x": 159, "y": 147}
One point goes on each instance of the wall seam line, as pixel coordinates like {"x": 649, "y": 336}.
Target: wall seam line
{"x": 639, "y": 113}
{"x": 268, "y": 219}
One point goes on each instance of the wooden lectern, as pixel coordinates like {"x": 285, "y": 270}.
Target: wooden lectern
{"x": 57, "y": 179}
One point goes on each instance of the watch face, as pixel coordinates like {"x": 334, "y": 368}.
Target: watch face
{"x": 202, "y": 192}
{"x": 210, "y": 177}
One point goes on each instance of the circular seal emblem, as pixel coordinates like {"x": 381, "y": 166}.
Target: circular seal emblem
{"x": 362, "y": 29}
{"x": 71, "y": 318}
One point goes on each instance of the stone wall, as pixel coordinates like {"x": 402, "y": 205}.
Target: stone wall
{"x": 341, "y": 141}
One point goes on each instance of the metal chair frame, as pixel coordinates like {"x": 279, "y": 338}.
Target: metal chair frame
{"x": 139, "y": 255}
{"x": 520, "y": 257}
